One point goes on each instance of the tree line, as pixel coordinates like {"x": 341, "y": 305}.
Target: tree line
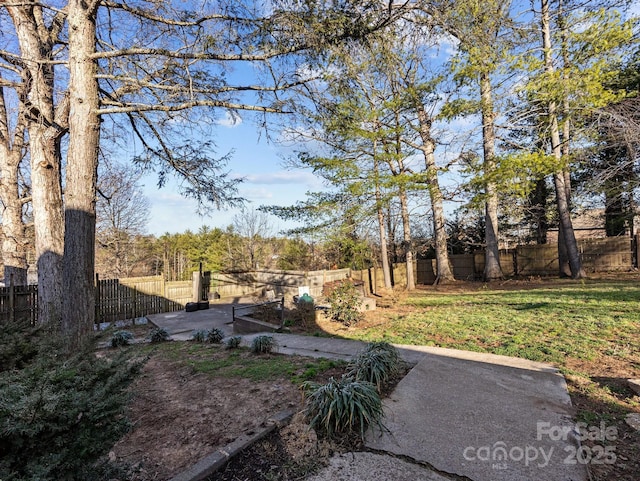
{"x": 81, "y": 81}
{"x": 534, "y": 110}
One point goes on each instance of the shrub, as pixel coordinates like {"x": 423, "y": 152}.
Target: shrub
{"x": 159, "y": 334}
{"x": 377, "y": 364}
{"x": 233, "y": 342}
{"x": 59, "y": 415}
{"x": 215, "y": 336}
{"x": 121, "y": 338}
{"x": 305, "y": 312}
{"x": 18, "y": 346}
{"x": 342, "y": 406}
{"x": 343, "y": 304}
{"x": 267, "y": 312}
{"x": 200, "y": 335}
{"x": 263, "y": 344}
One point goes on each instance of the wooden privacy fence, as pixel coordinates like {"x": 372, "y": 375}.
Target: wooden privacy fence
{"x": 119, "y": 299}
{"x": 116, "y": 299}
{"x": 610, "y": 254}
{"x": 19, "y": 304}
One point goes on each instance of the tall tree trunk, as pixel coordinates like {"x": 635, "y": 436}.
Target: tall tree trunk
{"x": 563, "y": 253}
{"x": 45, "y": 127}
{"x": 492, "y": 268}
{"x": 82, "y": 163}
{"x": 538, "y": 199}
{"x": 391, "y": 235}
{"x": 560, "y": 176}
{"x": 14, "y": 254}
{"x": 406, "y": 238}
{"x": 384, "y": 254}
{"x": 443, "y": 267}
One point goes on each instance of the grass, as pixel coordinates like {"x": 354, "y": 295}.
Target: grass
{"x": 589, "y": 329}
{"x": 217, "y": 361}
{"x": 578, "y": 320}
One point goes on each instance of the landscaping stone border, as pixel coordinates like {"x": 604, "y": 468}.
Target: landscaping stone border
{"x": 217, "y": 459}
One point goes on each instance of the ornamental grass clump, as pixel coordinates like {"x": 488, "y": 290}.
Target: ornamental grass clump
{"x": 159, "y": 334}
{"x": 233, "y": 342}
{"x": 263, "y": 344}
{"x": 215, "y": 336}
{"x": 121, "y": 338}
{"x": 378, "y": 363}
{"x": 200, "y": 335}
{"x": 342, "y": 406}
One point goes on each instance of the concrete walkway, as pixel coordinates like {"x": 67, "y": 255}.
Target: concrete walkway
{"x": 456, "y": 415}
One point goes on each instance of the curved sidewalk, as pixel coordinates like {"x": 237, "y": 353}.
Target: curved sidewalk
{"x": 457, "y": 415}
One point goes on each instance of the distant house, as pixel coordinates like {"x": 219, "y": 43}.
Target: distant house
{"x": 588, "y": 224}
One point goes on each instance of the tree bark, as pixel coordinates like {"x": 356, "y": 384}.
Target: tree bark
{"x": 444, "y": 273}
{"x": 560, "y": 176}
{"x": 492, "y": 268}
{"x": 406, "y": 238}
{"x": 563, "y": 252}
{"x": 82, "y": 163}
{"x": 45, "y": 127}
{"x": 14, "y": 254}
{"x": 384, "y": 254}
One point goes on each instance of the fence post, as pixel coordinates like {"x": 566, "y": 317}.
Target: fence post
{"x": 282, "y": 312}
{"x": 12, "y": 300}
{"x": 197, "y": 283}
{"x": 98, "y": 299}
{"x": 135, "y": 304}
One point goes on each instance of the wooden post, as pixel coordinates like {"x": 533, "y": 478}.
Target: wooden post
{"x": 12, "y": 300}
{"x": 97, "y": 294}
{"x": 282, "y": 312}
{"x": 196, "y": 286}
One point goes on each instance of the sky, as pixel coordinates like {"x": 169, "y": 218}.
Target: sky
{"x": 265, "y": 182}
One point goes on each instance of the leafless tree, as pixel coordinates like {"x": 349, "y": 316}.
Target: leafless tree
{"x": 254, "y": 230}
{"x": 122, "y": 212}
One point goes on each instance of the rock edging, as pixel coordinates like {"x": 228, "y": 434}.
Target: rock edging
{"x": 217, "y": 459}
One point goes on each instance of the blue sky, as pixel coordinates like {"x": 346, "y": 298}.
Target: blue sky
{"x": 258, "y": 162}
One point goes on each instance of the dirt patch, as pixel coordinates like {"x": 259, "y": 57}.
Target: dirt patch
{"x": 179, "y": 416}
{"x": 603, "y": 400}
{"x": 290, "y": 453}
{"x": 191, "y": 400}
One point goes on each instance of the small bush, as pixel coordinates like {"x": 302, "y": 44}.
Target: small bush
{"x": 200, "y": 335}
{"x": 263, "y": 344}
{"x": 215, "y": 336}
{"x": 159, "y": 334}
{"x": 267, "y": 312}
{"x": 59, "y": 414}
{"x": 121, "y": 338}
{"x": 305, "y": 312}
{"x": 18, "y": 346}
{"x": 377, "y": 364}
{"x": 342, "y": 406}
{"x": 233, "y": 342}
{"x": 343, "y": 304}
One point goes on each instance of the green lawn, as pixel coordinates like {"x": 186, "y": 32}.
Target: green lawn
{"x": 590, "y": 330}
{"x": 565, "y": 320}
{"x": 216, "y": 361}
